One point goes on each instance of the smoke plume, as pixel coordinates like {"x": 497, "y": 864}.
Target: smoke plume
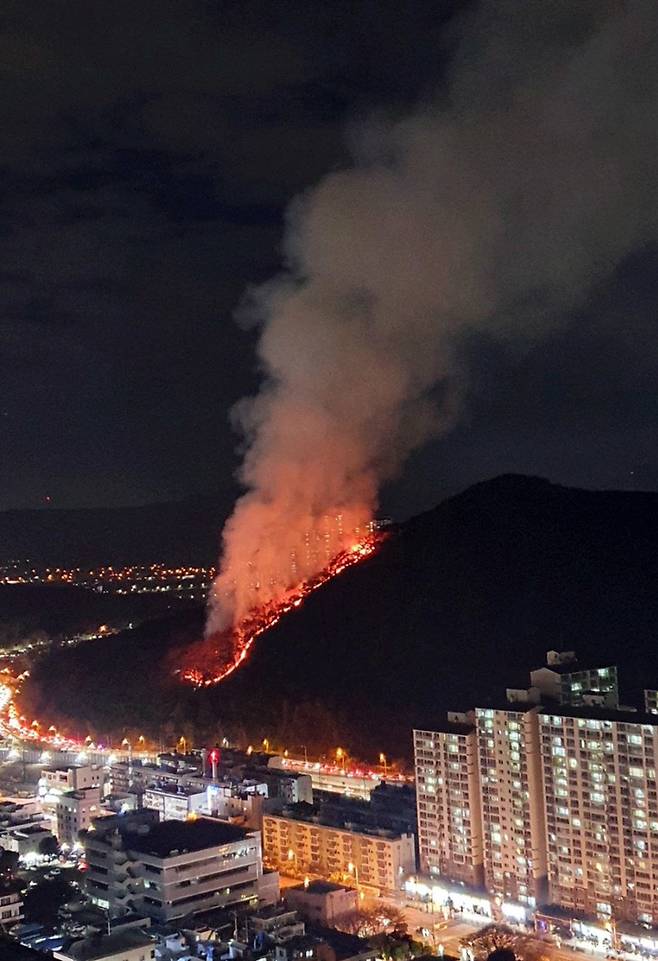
{"x": 495, "y": 208}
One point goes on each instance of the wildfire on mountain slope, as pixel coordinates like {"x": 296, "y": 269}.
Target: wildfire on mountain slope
{"x": 216, "y": 658}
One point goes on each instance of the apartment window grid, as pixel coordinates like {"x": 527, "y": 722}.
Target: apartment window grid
{"x": 602, "y": 836}
{"x": 445, "y": 771}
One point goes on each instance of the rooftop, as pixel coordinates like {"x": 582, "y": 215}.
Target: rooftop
{"x": 175, "y": 790}
{"x": 335, "y": 819}
{"x": 450, "y": 727}
{"x": 167, "y": 838}
{"x": 573, "y": 667}
{"x": 595, "y": 713}
{"x": 344, "y": 945}
{"x": 107, "y": 945}
{"x": 508, "y": 707}
{"x": 320, "y": 887}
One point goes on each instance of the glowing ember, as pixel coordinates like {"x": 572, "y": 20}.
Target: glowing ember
{"x": 230, "y": 649}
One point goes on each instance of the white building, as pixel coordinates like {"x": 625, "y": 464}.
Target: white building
{"x": 448, "y": 800}
{"x": 74, "y": 812}
{"x": 169, "y": 869}
{"x": 24, "y": 841}
{"x": 175, "y": 804}
{"x": 54, "y": 781}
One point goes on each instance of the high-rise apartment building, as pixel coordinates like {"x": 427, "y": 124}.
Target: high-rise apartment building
{"x": 602, "y": 811}
{"x": 561, "y": 797}
{"x": 448, "y": 801}
{"x": 512, "y": 809}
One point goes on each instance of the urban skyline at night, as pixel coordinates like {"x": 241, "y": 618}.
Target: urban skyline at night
{"x": 328, "y": 480}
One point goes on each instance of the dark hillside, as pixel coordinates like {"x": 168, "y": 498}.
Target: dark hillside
{"x": 459, "y": 603}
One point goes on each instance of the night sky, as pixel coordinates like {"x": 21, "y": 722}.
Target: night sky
{"x": 149, "y": 153}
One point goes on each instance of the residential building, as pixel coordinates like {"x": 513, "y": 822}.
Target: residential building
{"x": 176, "y": 804}
{"x": 169, "y": 869}
{"x": 54, "y": 781}
{"x": 448, "y": 797}
{"x": 277, "y": 921}
{"x": 296, "y": 842}
{"x": 601, "y": 804}
{"x": 512, "y": 807}
{"x": 24, "y": 841}
{"x": 291, "y": 787}
{"x": 237, "y": 799}
{"x": 133, "y": 944}
{"x": 11, "y": 903}
{"x": 569, "y": 798}
{"x": 564, "y": 680}
{"x": 75, "y": 811}
{"x": 321, "y": 902}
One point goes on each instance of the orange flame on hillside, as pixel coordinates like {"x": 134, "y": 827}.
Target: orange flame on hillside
{"x": 225, "y": 652}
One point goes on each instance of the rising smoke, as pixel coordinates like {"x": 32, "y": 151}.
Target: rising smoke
{"x": 496, "y": 208}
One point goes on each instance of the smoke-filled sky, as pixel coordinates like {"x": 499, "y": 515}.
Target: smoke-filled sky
{"x": 478, "y": 215}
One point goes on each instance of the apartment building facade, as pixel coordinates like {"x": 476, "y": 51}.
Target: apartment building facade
{"x": 512, "y": 810}
{"x": 568, "y": 797}
{"x": 448, "y": 800}
{"x": 74, "y": 812}
{"x": 600, "y": 790}
{"x": 169, "y": 869}
{"x": 376, "y": 859}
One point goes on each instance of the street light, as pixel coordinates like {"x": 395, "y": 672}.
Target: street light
{"x": 353, "y": 869}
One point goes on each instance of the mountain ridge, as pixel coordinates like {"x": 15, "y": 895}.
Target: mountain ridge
{"x": 457, "y": 604}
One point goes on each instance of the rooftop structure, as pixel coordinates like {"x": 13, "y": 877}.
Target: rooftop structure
{"x": 170, "y": 869}
{"x": 133, "y": 944}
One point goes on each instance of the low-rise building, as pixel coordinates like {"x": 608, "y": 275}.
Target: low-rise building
{"x": 133, "y": 944}
{"x": 322, "y": 902}
{"x": 175, "y": 803}
{"x": 279, "y": 922}
{"x": 11, "y": 903}
{"x": 170, "y": 869}
{"x": 55, "y": 781}
{"x": 74, "y": 811}
{"x": 297, "y": 842}
{"x": 24, "y": 841}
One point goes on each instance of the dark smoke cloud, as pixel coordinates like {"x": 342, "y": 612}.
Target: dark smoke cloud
{"x": 496, "y": 209}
